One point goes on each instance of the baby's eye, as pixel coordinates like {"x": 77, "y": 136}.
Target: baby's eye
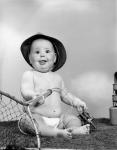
{"x": 37, "y": 52}
{"x": 47, "y": 51}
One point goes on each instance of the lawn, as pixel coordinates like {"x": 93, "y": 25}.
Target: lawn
{"x": 105, "y": 137}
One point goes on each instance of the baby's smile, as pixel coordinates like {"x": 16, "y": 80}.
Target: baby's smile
{"x": 42, "y": 55}
{"x": 42, "y": 62}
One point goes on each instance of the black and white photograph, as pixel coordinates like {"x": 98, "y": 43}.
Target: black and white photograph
{"x": 58, "y": 74}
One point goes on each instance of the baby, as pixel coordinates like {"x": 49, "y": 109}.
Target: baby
{"x": 46, "y": 55}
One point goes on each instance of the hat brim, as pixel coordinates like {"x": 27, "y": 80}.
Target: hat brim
{"x": 58, "y": 47}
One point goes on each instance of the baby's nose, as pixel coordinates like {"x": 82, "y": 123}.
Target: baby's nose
{"x": 42, "y": 54}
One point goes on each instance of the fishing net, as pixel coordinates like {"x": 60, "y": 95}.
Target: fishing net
{"x": 12, "y": 117}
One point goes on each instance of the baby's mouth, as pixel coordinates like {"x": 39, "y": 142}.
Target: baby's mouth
{"x": 42, "y": 62}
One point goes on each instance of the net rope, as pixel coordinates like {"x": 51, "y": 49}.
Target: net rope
{"x": 9, "y": 109}
{"x": 11, "y": 112}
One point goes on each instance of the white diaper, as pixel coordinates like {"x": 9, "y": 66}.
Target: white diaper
{"x": 54, "y": 122}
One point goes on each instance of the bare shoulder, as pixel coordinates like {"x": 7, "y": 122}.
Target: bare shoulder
{"x": 27, "y": 74}
{"x": 57, "y": 76}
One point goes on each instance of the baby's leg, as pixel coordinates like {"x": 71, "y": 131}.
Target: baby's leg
{"x": 46, "y": 130}
{"x": 66, "y": 133}
{"x": 73, "y": 122}
{"x": 81, "y": 130}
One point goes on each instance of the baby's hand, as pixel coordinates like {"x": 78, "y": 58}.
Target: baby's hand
{"x": 38, "y": 100}
{"x": 81, "y": 107}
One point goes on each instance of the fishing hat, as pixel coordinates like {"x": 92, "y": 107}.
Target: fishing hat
{"x": 58, "y": 47}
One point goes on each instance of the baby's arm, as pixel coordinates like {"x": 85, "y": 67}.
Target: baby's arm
{"x": 27, "y": 87}
{"x": 72, "y": 100}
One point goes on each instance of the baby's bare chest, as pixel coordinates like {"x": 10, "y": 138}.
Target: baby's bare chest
{"x": 46, "y": 83}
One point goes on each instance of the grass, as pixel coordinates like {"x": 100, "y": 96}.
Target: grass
{"x": 104, "y": 138}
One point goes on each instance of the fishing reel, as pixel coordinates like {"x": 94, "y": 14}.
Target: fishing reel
{"x": 87, "y": 119}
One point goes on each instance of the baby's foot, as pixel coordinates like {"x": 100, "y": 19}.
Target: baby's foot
{"x": 81, "y": 130}
{"x": 66, "y": 133}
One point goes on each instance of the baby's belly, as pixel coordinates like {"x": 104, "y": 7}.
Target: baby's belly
{"x": 51, "y": 107}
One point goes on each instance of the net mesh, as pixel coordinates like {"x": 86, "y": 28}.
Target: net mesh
{"x": 9, "y": 109}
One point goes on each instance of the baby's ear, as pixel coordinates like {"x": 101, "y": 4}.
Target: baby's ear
{"x": 30, "y": 59}
{"x": 55, "y": 58}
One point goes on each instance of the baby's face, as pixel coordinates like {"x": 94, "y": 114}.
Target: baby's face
{"x": 42, "y": 55}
